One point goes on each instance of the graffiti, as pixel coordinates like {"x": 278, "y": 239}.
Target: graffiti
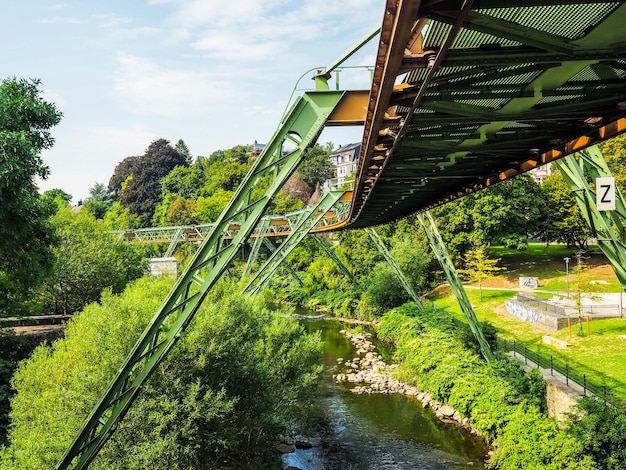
{"x": 529, "y": 282}
{"x": 524, "y": 313}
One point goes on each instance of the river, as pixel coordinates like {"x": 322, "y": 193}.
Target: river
{"x": 379, "y": 431}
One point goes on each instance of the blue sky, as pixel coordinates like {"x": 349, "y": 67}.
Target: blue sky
{"x": 215, "y": 74}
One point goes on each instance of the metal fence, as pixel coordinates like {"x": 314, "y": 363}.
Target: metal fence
{"x": 591, "y": 384}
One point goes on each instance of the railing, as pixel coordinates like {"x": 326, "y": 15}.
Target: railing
{"x": 590, "y": 384}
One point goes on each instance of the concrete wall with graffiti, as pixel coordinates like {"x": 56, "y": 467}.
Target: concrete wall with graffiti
{"x": 534, "y": 316}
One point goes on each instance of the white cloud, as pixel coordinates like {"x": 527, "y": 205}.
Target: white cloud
{"x": 112, "y": 21}
{"x": 147, "y": 87}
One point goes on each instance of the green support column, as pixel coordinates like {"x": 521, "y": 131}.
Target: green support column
{"x": 331, "y": 254}
{"x": 254, "y": 252}
{"x": 298, "y": 232}
{"x": 174, "y": 242}
{"x": 441, "y": 252}
{"x": 403, "y": 280}
{"x": 607, "y": 226}
{"x": 300, "y": 129}
{"x": 270, "y": 246}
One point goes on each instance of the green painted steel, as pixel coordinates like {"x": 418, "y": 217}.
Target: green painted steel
{"x": 441, "y": 252}
{"x": 172, "y": 246}
{"x": 321, "y": 241}
{"x": 300, "y": 128}
{"x": 254, "y": 252}
{"x": 306, "y": 222}
{"x": 580, "y": 171}
{"x": 403, "y": 280}
{"x": 270, "y": 246}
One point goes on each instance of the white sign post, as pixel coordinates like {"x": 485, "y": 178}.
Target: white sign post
{"x": 605, "y": 193}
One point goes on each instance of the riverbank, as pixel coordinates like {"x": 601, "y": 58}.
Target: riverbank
{"x": 379, "y": 429}
{"x": 371, "y": 374}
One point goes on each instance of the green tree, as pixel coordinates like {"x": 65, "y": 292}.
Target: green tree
{"x": 99, "y": 201}
{"x": 564, "y": 222}
{"x": 26, "y": 236}
{"x": 88, "y": 261}
{"x": 239, "y": 153}
{"x": 582, "y": 287}
{"x": 58, "y": 196}
{"x": 316, "y": 168}
{"x": 175, "y": 210}
{"x": 601, "y": 431}
{"x": 209, "y": 208}
{"x": 614, "y": 151}
{"x": 118, "y": 217}
{"x": 181, "y": 147}
{"x": 140, "y": 190}
{"x": 240, "y": 376}
{"x": 479, "y": 268}
{"x": 226, "y": 175}
{"x": 505, "y": 213}
{"x": 184, "y": 181}
{"x": 122, "y": 171}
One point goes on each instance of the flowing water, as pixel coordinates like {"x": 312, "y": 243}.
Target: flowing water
{"x": 379, "y": 431}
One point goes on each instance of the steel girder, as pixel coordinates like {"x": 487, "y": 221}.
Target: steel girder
{"x": 394, "y": 266}
{"x": 580, "y": 171}
{"x": 254, "y": 252}
{"x": 331, "y": 254}
{"x": 300, "y": 128}
{"x": 441, "y": 252}
{"x": 272, "y": 249}
{"x": 306, "y": 222}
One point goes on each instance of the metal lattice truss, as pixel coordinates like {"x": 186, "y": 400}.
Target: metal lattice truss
{"x": 470, "y": 93}
{"x": 269, "y": 226}
{"x": 580, "y": 171}
{"x": 300, "y": 128}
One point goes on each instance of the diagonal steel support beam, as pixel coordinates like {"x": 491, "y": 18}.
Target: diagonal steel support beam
{"x": 301, "y": 127}
{"x": 270, "y": 246}
{"x": 441, "y": 252}
{"x": 321, "y": 241}
{"x": 298, "y": 232}
{"x": 394, "y": 266}
{"x": 580, "y": 171}
{"x": 174, "y": 242}
{"x": 260, "y": 236}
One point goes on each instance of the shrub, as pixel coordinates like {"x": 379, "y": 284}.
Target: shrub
{"x": 601, "y": 431}
{"x": 502, "y": 403}
{"x": 239, "y": 376}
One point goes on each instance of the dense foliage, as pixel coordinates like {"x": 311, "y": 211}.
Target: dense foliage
{"x": 239, "y": 377}
{"x": 565, "y": 221}
{"x": 13, "y": 348}
{"x": 502, "y": 403}
{"x": 88, "y": 261}
{"x": 506, "y": 213}
{"x": 26, "y": 236}
{"x": 374, "y": 287}
{"x": 142, "y": 181}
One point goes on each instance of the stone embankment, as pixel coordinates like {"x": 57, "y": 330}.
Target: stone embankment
{"x": 371, "y": 374}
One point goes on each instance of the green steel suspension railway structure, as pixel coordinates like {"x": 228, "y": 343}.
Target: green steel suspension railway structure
{"x": 464, "y": 94}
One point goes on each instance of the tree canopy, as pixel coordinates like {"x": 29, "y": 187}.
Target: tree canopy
{"x": 26, "y": 236}
{"x": 88, "y": 261}
{"x": 506, "y": 213}
{"x": 563, "y": 222}
{"x": 240, "y": 376}
{"x": 137, "y": 180}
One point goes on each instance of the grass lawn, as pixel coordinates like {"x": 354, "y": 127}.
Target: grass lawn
{"x": 602, "y": 354}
